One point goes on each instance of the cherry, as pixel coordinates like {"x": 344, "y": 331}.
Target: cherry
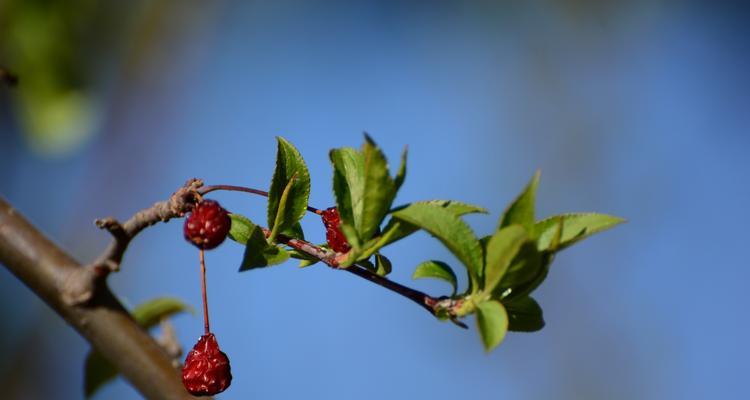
{"x": 336, "y": 239}
{"x": 206, "y": 371}
{"x": 207, "y": 225}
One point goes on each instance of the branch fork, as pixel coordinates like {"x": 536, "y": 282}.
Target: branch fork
{"x": 82, "y": 285}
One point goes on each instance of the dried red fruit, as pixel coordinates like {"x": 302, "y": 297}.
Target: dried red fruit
{"x": 336, "y": 239}
{"x": 208, "y": 225}
{"x": 206, "y": 371}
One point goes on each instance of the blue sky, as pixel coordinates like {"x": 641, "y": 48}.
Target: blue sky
{"x": 636, "y": 111}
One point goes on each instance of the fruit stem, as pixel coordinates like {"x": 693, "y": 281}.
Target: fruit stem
{"x": 203, "y": 290}
{"x": 232, "y": 188}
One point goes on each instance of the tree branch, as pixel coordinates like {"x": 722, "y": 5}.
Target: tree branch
{"x": 48, "y": 271}
{"x": 432, "y": 304}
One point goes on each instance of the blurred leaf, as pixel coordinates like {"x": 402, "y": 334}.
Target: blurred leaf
{"x": 438, "y": 270}
{"x": 521, "y": 211}
{"x": 492, "y": 322}
{"x": 524, "y": 315}
{"x": 289, "y": 165}
{"x": 151, "y": 312}
{"x": 98, "y": 371}
{"x": 259, "y": 253}
{"x": 383, "y": 265}
{"x": 453, "y": 232}
{"x": 379, "y": 190}
{"x": 348, "y": 187}
{"x": 501, "y": 249}
{"x": 575, "y": 227}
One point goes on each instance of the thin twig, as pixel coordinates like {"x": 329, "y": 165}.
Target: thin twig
{"x": 206, "y": 325}
{"x": 429, "y": 303}
{"x": 181, "y": 202}
{"x": 232, "y": 188}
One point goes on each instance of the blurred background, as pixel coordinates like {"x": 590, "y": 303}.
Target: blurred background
{"x": 637, "y": 109}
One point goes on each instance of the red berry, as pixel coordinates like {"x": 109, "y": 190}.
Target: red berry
{"x": 206, "y": 371}
{"x": 208, "y": 225}
{"x": 336, "y": 239}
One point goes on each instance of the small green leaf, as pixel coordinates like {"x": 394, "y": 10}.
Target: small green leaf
{"x": 383, "y": 265}
{"x": 575, "y": 227}
{"x": 401, "y": 174}
{"x": 524, "y": 315}
{"x": 241, "y": 228}
{"x": 521, "y": 211}
{"x": 379, "y": 190}
{"x": 259, "y": 253}
{"x": 492, "y": 322}
{"x": 98, "y": 371}
{"x": 305, "y": 260}
{"x": 438, "y": 270}
{"x": 307, "y": 263}
{"x": 453, "y": 232}
{"x": 348, "y": 184}
{"x": 281, "y": 223}
{"x": 289, "y": 163}
{"x": 501, "y": 249}
{"x": 151, "y": 312}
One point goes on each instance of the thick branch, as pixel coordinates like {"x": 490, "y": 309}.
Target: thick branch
{"x": 47, "y": 270}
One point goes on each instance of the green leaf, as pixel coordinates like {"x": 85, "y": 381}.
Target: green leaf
{"x": 151, "y": 312}
{"x": 401, "y": 174}
{"x": 379, "y": 190}
{"x": 501, "y": 249}
{"x": 348, "y": 185}
{"x": 492, "y": 322}
{"x": 438, "y": 270}
{"x": 575, "y": 227}
{"x": 295, "y": 231}
{"x": 307, "y": 263}
{"x": 397, "y": 229}
{"x": 280, "y": 223}
{"x": 524, "y": 268}
{"x": 289, "y": 163}
{"x": 453, "y": 232}
{"x": 259, "y": 253}
{"x": 241, "y": 228}
{"x": 521, "y": 211}
{"x": 524, "y": 315}
{"x": 512, "y": 287}
{"x": 98, "y": 370}
{"x": 383, "y": 265}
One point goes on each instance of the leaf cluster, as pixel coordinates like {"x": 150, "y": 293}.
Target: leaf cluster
{"x": 503, "y": 268}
